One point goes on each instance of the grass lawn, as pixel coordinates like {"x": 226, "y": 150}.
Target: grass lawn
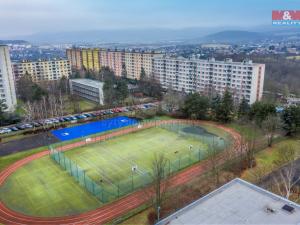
{"x": 84, "y": 105}
{"x": 42, "y": 188}
{"x": 266, "y": 159}
{"x": 138, "y": 219}
{"x": 9, "y": 159}
{"x": 246, "y": 129}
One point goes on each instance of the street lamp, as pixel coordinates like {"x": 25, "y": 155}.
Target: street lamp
{"x": 158, "y": 212}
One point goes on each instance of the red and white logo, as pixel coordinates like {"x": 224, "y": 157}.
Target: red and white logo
{"x": 286, "y": 15}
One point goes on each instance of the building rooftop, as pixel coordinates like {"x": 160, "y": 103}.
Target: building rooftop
{"x": 210, "y": 60}
{"x": 89, "y": 82}
{"x": 43, "y": 60}
{"x": 237, "y": 202}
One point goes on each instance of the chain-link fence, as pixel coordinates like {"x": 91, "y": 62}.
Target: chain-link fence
{"x": 107, "y": 192}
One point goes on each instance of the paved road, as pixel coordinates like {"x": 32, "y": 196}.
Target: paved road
{"x": 27, "y": 143}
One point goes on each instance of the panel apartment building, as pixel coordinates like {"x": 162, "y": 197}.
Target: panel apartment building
{"x": 43, "y": 70}
{"x": 243, "y": 79}
{"x": 118, "y": 61}
{"x": 7, "y": 85}
{"x": 88, "y": 89}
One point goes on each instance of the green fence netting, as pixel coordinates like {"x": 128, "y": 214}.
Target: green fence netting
{"x": 109, "y": 192}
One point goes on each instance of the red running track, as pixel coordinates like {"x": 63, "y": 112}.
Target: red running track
{"x": 118, "y": 207}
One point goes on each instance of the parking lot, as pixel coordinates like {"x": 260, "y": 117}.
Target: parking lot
{"x": 72, "y": 118}
{"x": 46, "y": 138}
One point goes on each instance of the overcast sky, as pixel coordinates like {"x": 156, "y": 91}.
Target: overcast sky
{"x": 21, "y": 17}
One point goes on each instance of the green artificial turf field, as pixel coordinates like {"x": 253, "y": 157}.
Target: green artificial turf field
{"x": 110, "y": 163}
{"x": 43, "y": 188}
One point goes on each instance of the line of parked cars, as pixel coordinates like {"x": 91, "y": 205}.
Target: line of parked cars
{"x": 74, "y": 118}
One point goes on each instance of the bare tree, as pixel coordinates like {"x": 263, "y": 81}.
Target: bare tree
{"x": 30, "y": 112}
{"x": 285, "y": 178}
{"x": 270, "y": 126}
{"x": 212, "y": 154}
{"x": 172, "y": 100}
{"x": 61, "y": 104}
{"x": 247, "y": 146}
{"x": 160, "y": 185}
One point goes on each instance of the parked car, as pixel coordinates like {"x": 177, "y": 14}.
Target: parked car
{"x": 48, "y": 122}
{"x": 78, "y": 117}
{"x": 36, "y": 124}
{"x": 67, "y": 119}
{"x": 5, "y": 130}
{"x": 87, "y": 115}
{"x": 54, "y": 120}
{"x": 61, "y": 120}
{"x": 21, "y": 127}
{"x": 27, "y": 125}
{"x": 93, "y": 114}
{"x": 14, "y": 128}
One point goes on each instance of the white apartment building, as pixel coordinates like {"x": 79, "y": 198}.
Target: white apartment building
{"x": 243, "y": 79}
{"x": 89, "y": 89}
{"x": 7, "y": 85}
{"x": 43, "y": 70}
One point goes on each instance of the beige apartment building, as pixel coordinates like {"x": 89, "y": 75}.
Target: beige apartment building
{"x": 121, "y": 62}
{"x": 43, "y": 70}
{"x": 75, "y": 58}
{"x": 112, "y": 59}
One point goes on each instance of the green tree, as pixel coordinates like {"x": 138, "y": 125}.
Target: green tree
{"x": 143, "y": 74}
{"x": 121, "y": 90}
{"x": 244, "y": 109}
{"x": 291, "y": 120}
{"x": 106, "y": 74}
{"x": 28, "y": 90}
{"x": 3, "y": 108}
{"x": 109, "y": 91}
{"x": 37, "y": 93}
{"x": 76, "y": 74}
{"x": 260, "y": 111}
{"x": 225, "y": 109}
{"x": 63, "y": 85}
{"x": 89, "y": 74}
{"x": 214, "y": 105}
{"x": 196, "y": 106}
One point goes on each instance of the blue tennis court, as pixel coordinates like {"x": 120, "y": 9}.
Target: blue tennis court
{"x": 71, "y": 133}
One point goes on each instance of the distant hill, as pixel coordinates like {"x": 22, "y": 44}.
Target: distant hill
{"x": 19, "y": 42}
{"x": 120, "y": 35}
{"x": 235, "y": 36}
{"x": 194, "y": 35}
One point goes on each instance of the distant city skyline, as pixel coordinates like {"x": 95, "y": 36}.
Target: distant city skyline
{"x": 19, "y": 17}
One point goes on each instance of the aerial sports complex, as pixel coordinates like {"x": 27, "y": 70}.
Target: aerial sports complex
{"x": 99, "y": 170}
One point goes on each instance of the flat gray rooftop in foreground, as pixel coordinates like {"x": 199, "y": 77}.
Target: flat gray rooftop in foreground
{"x": 89, "y": 82}
{"x": 237, "y": 202}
